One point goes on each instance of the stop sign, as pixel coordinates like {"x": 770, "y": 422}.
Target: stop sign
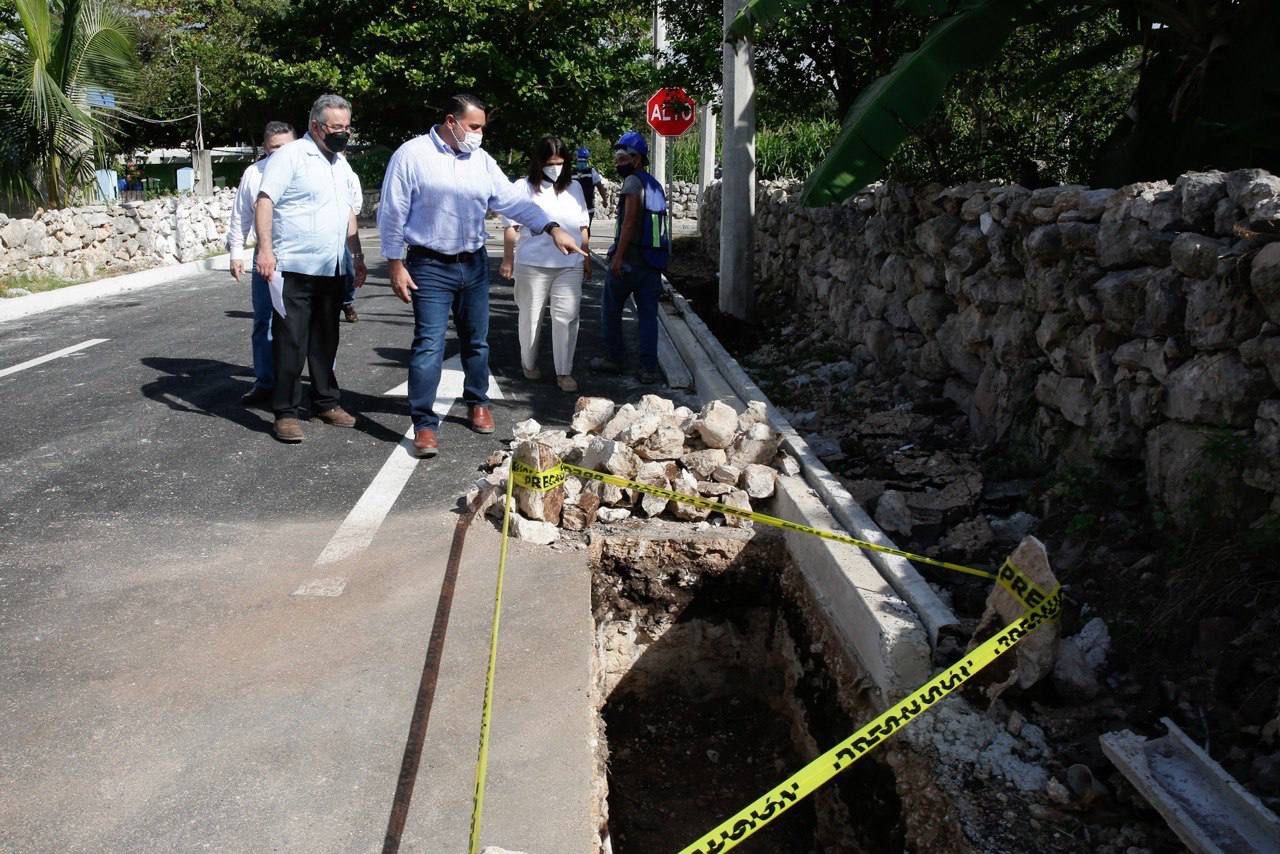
{"x": 670, "y": 111}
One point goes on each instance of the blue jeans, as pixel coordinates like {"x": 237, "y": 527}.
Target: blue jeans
{"x": 463, "y": 290}
{"x": 264, "y": 375}
{"x": 645, "y": 284}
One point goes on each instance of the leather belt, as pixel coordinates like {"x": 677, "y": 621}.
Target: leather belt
{"x": 415, "y": 252}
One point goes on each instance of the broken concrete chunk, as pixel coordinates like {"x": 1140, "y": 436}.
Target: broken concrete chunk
{"x": 758, "y": 481}
{"x": 759, "y": 444}
{"x": 666, "y": 443}
{"x": 703, "y": 463}
{"x": 717, "y": 424}
{"x": 737, "y": 498}
{"x": 727, "y": 474}
{"x": 612, "y": 457}
{"x": 590, "y": 414}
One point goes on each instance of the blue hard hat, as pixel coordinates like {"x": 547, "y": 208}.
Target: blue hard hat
{"x": 583, "y": 153}
{"x": 633, "y": 142}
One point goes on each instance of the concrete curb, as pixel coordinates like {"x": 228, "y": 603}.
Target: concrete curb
{"x": 876, "y": 625}
{"x": 15, "y": 308}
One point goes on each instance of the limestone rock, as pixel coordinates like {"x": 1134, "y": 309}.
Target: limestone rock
{"x": 756, "y": 413}
{"x": 717, "y": 424}
{"x": 611, "y": 457}
{"x": 1035, "y": 652}
{"x": 609, "y": 495}
{"x": 623, "y": 417}
{"x": 656, "y": 404}
{"x": 1264, "y": 278}
{"x": 704, "y": 463}
{"x": 665, "y": 443}
{"x": 688, "y": 484}
{"x": 539, "y": 506}
{"x": 611, "y": 515}
{"x": 1216, "y": 389}
{"x": 653, "y": 474}
{"x": 892, "y": 513}
{"x": 728, "y": 474}
{"x": 712, "y": 489}
{"x": 638, "y": 430}
{"x": 758, "y": 481}
{"x": 759, "y": 444}
{"x": 538, "y": 533}
{"x": 739, "y": 499}
{"x": 590, "y": 414}
{"x": 786, "y": 464}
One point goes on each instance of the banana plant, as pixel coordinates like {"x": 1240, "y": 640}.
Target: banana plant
{"x": 65, "y": 77}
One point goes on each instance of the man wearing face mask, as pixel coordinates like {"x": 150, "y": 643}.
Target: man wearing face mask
{"x": 304, "y": 219}
{"x": 274, "y": 136}
{"x": 436, "y": 192}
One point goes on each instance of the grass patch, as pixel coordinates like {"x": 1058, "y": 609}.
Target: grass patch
{"x": 35, "y": 285}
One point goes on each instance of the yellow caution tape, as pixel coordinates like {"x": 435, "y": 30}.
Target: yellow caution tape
{"x": 1043, "y": 608}
{"x": 1008, "y": 576}
{"x": 486, "y": 713}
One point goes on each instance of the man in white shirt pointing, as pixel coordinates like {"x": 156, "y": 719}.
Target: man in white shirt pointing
{"x": 275, "y": 135}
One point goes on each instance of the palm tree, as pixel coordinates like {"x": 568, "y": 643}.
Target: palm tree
{"x": 66, "y": 71}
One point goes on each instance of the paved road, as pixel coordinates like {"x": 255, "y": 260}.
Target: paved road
{"x": 164, "y": 690}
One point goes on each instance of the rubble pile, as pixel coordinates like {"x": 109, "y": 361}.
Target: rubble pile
{"x": 716, "y": 453}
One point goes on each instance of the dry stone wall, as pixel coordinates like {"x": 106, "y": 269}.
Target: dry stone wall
{"x": 1129, "y": 330}
{"x": 80, "y": 243}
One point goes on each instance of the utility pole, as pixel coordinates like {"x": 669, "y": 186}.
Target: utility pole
{"x": 203, "y": 161}
{"x": 738, "y": 188}
{"x": 659, "y": 55}
{"x": 707, "y": 150}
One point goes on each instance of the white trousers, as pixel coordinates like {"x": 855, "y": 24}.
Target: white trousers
{"x": 562, "y": 287}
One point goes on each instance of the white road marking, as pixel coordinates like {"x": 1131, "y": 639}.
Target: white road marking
{"x": 362, "y": 523}
{"x": 58, "y": 354}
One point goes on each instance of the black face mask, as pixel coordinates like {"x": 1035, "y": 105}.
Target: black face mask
{"x": 626, "y": 169}
{"x": 335, "y": 142}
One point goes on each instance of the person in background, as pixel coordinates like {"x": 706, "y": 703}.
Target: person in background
{"x": 542, "y": 272}
{"x": 349, "y": 298}
{"x": 304, "y": 216}
{"x": 241, "y": 225}
{"x": 639, "y": 254}
{"x": 436, "y": 192}
{"x": 589, "y": 180}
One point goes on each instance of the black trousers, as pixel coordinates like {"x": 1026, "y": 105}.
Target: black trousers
{"x": 306, "y": 335}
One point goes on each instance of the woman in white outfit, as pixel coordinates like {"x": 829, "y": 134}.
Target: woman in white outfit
{"x": 542, "y": 273}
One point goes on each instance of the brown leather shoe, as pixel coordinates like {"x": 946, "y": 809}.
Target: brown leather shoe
{"x": 481, "y": 420}
{"x": 337, "y": 417}
{"x": 288, "y": 430}
{"x": 424, "y": 443}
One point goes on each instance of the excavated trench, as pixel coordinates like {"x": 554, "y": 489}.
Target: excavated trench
{"x": 714, "y": 680}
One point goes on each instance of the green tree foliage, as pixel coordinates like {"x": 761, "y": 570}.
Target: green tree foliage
{"x": 176, "y": 36}
{"x": 67, "y": 71}
{"x": 572, "y": 68}
{"x": 1207, "y": 90}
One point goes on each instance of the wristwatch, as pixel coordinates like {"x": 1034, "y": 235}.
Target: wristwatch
{"x": 553, "y": 224}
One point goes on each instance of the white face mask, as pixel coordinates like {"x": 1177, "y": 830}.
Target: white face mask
{"x": 470, "y": 141}
{"x": 552, "y": 172}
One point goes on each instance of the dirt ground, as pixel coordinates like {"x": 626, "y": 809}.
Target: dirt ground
{"x": 1191, "y": 616}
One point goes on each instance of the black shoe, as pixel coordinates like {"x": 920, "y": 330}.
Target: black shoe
{"x": 255, "y": 396}
{"x": 349, "y": 312}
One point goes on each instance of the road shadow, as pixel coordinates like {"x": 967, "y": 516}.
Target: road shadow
{"x": 241, "y": 315}
{"x": 204, "y": 387}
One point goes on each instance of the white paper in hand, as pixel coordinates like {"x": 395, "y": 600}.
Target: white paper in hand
{"x": 276, "y": 285}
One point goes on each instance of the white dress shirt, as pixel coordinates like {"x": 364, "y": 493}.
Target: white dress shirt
{"x": 241, "y": 224}
{"x": 436, "y": 197}
{"x": 312, "y": 199}
{"x": 567, "y": 208}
